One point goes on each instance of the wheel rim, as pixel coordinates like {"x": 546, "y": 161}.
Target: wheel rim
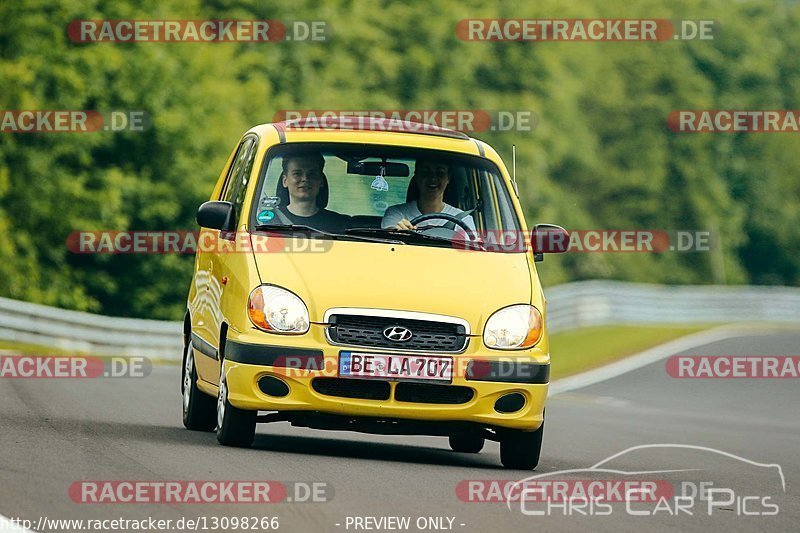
{"x": 187, "y": 378}
{"x": 221, "y": 398}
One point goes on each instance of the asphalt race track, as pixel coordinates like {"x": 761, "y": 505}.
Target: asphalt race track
{"x": 56, "y": 432}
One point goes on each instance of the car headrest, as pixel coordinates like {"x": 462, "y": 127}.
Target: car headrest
{"x": 283, "y": 193}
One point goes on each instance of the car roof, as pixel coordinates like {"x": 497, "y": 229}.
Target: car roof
{"x": 372, "y": 124}
{"x": 372, "y": 130}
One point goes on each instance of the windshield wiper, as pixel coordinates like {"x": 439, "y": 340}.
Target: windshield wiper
{"x": 291, "y": 228}
{"x": 409, "y": 235}
{"x": 288, "y": 228}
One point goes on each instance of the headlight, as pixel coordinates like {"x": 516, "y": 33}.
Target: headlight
{"x": 277, "y": 310}
{"x": 513, "y": 328}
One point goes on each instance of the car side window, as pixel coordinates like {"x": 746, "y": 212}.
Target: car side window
{"x": 507, "y": 216}
{"x": 236, "y": 185}
{"x": 234, "y": 173}
{"x": 243, "y": 180}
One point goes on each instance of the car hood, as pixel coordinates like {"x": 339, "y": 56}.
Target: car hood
{"x": 467, "y": 284}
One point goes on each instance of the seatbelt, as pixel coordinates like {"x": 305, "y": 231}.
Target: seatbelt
{"x": 282, "y": 218}
{"x": 461, "y": 216}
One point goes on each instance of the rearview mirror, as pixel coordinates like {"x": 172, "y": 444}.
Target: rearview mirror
{"x": 216, "y": 215}
{"x": 377, "y": 168}
{"x": 548, "y": 239}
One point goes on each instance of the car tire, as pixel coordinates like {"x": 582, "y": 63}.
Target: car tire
{"x": 235, "y": 427}
{"x": 199, "y": 409}
{"x": 466, "y": 443}
{"x": 520, "y": 450}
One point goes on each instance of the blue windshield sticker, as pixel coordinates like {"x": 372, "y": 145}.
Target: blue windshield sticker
{"x": 265, "y": 216}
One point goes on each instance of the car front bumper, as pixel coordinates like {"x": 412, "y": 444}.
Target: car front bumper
{"x": 527, "y": 374}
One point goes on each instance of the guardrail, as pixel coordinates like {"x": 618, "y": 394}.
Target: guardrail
{"x": 598, "y": 303}
{"x": 569, "y": 306}
{"x": 76, "y": 331}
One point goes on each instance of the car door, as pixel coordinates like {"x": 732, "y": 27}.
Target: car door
{"x": 228, "y": 262}
{"x": 209, "y": 318}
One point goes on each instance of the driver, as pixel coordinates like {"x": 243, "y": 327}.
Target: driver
{"x": 430, "y": 180}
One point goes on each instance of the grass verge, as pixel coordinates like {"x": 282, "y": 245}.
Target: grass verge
{"x": 583, "y": 349}
{"x": 34, "y": 349}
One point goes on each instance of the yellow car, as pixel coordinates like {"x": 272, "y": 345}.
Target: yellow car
{"x": 373, "y": 276}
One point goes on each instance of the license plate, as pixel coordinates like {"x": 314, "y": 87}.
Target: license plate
{"x": 396, "y": 367}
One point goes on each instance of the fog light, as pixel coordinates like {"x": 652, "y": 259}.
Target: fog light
{"x": 272, "y": 386}
{"x": 510, "y": 403}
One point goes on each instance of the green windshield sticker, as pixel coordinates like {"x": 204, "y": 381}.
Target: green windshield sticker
{"x": 265, "y": 216}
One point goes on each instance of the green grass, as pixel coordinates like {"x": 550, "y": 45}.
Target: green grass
{"x": 582, "y": 349}
{"x": 34, "y": 349}
{"x": 22, "y": 348}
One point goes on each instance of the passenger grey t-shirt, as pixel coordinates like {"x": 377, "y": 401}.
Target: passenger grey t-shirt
{"x": 410, "y": 211}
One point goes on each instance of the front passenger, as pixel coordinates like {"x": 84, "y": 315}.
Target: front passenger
{"x": 303, "y": 190}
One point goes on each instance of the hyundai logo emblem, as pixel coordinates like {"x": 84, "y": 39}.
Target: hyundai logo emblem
{"x": 397, "y": 334}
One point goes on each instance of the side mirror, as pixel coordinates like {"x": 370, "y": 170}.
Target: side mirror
{"x": 216, "y": 215}
{"x": 548, "y": 239}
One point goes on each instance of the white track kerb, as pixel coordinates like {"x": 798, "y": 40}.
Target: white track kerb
{"x": 653, "y": 355}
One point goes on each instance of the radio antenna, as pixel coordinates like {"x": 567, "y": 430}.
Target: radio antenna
{"x": 514, "y": 168}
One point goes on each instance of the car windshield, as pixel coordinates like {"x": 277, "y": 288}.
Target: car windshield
{"x": 414, "y": 196}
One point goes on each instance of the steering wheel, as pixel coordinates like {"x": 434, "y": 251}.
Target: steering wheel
{"x": 455, "y": 220}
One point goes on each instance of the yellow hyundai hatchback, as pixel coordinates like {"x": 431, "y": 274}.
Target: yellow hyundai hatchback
{"x": 369, "y": 275}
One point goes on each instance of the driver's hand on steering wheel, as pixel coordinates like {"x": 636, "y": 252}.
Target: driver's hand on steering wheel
{"x": 405, "y": 224}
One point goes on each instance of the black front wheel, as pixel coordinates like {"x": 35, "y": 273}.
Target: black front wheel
{"x": 521, "y": 449}
{"x": 199, "y": 409}
{"x": 235, "y": 427}
{"x": 466, "y": 443}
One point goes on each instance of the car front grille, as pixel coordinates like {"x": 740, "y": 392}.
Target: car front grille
{"x": 426, "y": 335}
{"x": 430, "y": 393}
{"x": 363, "y": 389}
{"x": 367, "y": 389}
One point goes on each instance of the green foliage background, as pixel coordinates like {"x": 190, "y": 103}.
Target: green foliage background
{"x": 601, "y": 156}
